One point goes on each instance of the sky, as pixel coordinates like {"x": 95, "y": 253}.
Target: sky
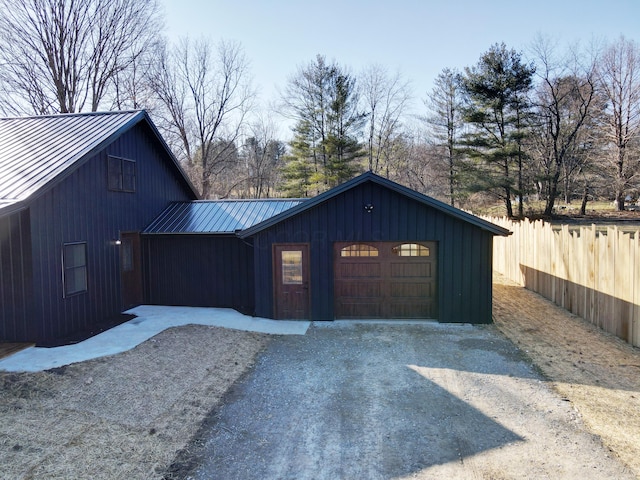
{"x": 417, "y": 38}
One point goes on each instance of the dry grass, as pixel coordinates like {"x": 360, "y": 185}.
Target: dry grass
{"x": 596, "y": 371}
{"x": 125, "y": 416}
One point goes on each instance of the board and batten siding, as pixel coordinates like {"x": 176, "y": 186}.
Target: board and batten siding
{"x": 16, "y": 291}
{"x": 199, "y": 271}
{"x": 82, "y": 209}
{"x": 464, "y": 250}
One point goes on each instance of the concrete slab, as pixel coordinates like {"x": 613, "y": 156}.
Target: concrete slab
{"x": 150, "y": 320}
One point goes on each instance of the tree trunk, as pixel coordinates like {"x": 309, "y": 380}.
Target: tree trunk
{"x": 451, "y": 188}
{"x": 583, "y": 205}
{"x": 553, "y": 193}
{"x": 567, "y": 193}
{"x": 507, "y": 202}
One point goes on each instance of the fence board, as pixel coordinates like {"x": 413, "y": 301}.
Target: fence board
{"x": 594, "y": 274}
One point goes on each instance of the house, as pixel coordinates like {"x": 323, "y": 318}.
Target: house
{"x": 75, "y": 191}
{"x": 369, "y": 248}
{"x": 97, "y": 216}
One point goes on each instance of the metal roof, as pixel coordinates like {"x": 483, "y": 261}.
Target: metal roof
{"x": 36, "y": 152}
{"x": 372, "y": 177}
{"x": 217, "y": 216}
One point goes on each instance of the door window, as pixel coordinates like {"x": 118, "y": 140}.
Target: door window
{"x": 292, "y": 267}
{"x": 126, "y": 248}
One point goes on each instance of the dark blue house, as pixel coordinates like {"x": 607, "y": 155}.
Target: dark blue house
{"x": 369, "y": 248}
{"x": 97, "y": 216}
{"x": 75, "y": 191}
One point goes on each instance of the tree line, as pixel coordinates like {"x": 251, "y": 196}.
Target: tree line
{"x": 555, "y": 125}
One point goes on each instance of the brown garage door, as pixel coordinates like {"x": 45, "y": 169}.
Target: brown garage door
{"x": 385, "y": 280}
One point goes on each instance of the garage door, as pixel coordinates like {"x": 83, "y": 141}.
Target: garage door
{"x": 385, "y": 280}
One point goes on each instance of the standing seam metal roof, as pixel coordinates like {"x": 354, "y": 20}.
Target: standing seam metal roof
{"x": 217, "y": 216}
{"x": 36, "y": 151}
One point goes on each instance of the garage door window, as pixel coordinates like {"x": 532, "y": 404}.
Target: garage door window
{"x": 359, "y": 250}
{"x": 411, "y": 250}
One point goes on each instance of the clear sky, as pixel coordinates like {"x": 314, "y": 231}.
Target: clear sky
{"x": 418, "y": 38}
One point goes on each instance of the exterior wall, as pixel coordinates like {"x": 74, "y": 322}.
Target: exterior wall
{"x": 82, "y": 209}
{"x": 199, "y": 271}
{"x": 15, "y": 277}
{"x": 464, "y": 251}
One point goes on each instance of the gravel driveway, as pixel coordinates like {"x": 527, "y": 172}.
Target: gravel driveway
{"x": 382, "y": 401}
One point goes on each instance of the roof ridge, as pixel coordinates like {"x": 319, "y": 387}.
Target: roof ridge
{"x": 283, "y": 199}
{"x": 75, "y": 114}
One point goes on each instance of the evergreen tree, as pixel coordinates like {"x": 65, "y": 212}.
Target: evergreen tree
{"x": 298, "y": 170}
{"x": 497, "y": 104}
{"x": 323, "y": 99}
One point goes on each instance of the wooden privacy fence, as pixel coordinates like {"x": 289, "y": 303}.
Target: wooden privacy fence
{"x": 592, "y": 272}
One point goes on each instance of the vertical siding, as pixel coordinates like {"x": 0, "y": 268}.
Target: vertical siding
{"x": 464, "y": 263}
{"x": 199, "y": 270}
{"x": 82, "y": 209}
{"x": 15, "y": 277}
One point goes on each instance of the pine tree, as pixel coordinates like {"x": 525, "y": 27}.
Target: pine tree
{"x": 324, "y": 101}
{"x": 496, "y": 90}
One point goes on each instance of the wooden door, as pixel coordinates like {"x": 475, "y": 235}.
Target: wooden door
{"x": 130, "y": 269}
{"x": 291, "y": 281}
{"x": 385, "y": 280}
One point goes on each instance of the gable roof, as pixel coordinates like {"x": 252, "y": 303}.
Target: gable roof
{"x": 38, "y": 152}
{"x": 372, "y": 177}
{"x": 217, "y": 216}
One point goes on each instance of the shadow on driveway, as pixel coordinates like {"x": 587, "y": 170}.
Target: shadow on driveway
{"x": 392, "y": 401}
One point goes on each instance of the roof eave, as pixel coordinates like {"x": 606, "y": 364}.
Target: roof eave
{"x": 11, "y": 208}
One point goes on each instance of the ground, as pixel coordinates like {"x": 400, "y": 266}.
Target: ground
{"x": 134, "y": 414}
{"x": 597, "y": 372}
{"x": 123, "y": 416}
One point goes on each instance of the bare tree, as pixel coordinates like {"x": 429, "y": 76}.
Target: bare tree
{"x": 64, "y": 55}
{"x": 416, "y": 163}
{"x": 565, "y": 107}
{"x": 205, "y": 94}
{"x": 619, "y": 78}
{"x": 261, "y": 155}
{"x": 386, "y": 99}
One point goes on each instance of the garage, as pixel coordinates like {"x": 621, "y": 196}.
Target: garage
{"x": 367, "y": 249}
{"x": 391, "y": 280}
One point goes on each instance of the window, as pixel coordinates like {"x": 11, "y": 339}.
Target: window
{"x": 122, "y": 174}
{"x": 359, "y": 250}
{"x": 411, "y": 250}
{"x": 292, "y": 267}
{"x": 74, "y": 268}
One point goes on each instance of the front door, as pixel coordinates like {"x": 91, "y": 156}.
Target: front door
{"x": 130, "y": 269}
{"x": 291, "y": 281}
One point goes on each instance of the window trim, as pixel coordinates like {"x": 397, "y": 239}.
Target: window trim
{"x": 66, "y": 269}
{"x": 122, "y": 185}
